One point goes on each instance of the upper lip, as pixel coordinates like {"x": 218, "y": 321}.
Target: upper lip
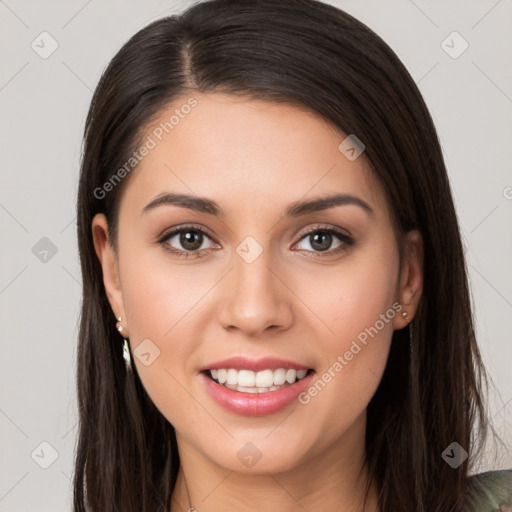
{"x": 256, "y": 365}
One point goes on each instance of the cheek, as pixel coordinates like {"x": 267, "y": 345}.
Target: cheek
{"x": 354, "y": 303}
{"x": 350, "y": 297}
{"x": 161, "y": 296}
{"x": 159, "y": 303}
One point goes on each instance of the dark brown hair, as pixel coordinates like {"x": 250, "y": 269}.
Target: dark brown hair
{"x": 313, "y": 55}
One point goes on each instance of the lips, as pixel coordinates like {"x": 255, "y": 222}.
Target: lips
{"x": 256, "y": 401}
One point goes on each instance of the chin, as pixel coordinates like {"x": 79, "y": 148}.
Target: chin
{"x": 260, "y": 456}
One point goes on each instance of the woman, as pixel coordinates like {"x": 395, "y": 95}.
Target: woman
{"x": 276, "y": 313}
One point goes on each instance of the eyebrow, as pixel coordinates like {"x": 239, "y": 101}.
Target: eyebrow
{"x": 296, "y": 209}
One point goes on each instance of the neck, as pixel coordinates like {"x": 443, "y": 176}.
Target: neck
{"x": 332, "y": 479}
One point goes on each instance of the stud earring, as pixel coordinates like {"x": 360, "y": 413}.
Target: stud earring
{"x": 406, "y": 316}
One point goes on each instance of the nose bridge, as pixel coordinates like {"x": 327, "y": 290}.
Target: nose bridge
{"x": 256, "y": 298}
{"x": 252, "y": 265}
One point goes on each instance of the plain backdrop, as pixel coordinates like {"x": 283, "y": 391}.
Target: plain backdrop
{"x": 43, "y": 105}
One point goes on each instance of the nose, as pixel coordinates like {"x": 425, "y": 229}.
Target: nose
{"x": 255, "y": 298}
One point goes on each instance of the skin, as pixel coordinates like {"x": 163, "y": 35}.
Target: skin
{"x": 293, "y": 302}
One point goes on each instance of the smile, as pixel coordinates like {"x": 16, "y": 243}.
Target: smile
{"x": 249, "y": 387}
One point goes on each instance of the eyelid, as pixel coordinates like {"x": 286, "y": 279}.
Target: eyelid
{"x": 169, "y": 233}
{"x": 326, "y": 227}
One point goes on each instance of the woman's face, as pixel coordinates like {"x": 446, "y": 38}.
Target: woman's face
{"x": 255, "y": 285}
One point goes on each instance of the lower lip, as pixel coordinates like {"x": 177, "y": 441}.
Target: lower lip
{"x": 255, "y": 404}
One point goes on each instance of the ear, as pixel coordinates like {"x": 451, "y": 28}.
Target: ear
{"x": 411, "y": 278}
{"x": 109, "y": 265}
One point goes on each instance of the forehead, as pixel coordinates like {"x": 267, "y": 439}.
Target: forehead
{"x": 247, "y": 154}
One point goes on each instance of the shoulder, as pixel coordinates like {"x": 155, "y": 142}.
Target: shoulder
{"x": 491, "y": 491}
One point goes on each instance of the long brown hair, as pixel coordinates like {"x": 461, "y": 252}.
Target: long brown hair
{"x": 313, "y": 55}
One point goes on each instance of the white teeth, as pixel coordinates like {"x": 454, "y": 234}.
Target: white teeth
{"x": 301, "y": 374}
{"x": 279, "y": 376}
{"x": 247, "y": 390}
{"x": 263, "y": 381}
{"x": 246, "y": 378}
{"x": 222, "y": 375}
{"x": 232, "y": 376}
{"x": 291, "y": 375}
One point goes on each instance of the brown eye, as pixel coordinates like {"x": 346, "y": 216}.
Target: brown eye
{"x": 191, "y": 239}
{"x": 321, "y": 239}
{"x": 185, "y": 241}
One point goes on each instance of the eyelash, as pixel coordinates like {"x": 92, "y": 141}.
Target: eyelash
{"x": 343, "y": 237}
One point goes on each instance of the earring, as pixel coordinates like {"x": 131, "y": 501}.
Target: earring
{"x": 119, "y": 327}
{"x": 126, "y": 349}
{"x": 126, "y": 356}
{"x": 405, "y": 316}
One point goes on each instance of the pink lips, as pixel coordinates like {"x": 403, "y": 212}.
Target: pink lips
{"x": 254, "y": 404}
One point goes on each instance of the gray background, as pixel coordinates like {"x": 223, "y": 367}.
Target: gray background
{"x": 43, "y": 104}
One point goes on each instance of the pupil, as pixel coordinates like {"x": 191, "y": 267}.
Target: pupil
{"x": 186, "y": 238}
{"x": 325, "y": 242}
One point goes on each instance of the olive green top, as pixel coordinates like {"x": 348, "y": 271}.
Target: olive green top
{"x": 492, "y": 491}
